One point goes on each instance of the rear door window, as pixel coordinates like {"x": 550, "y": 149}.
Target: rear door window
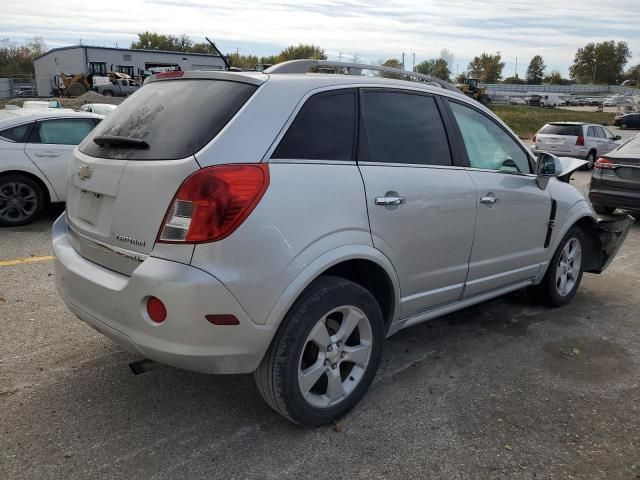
{"x": 16, "y": 134}
{"x": 62, "y": 131}
{"x": 591, "y": 132}
{"x": 488, "y": 146}
{"x": 402, "y": 127}
{"x": 175, "y": 118}
{"x": 324, "y": 128}
{"x": 559, "y": 129}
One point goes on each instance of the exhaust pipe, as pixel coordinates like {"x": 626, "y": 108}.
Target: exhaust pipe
{"x": 143, "y": 366}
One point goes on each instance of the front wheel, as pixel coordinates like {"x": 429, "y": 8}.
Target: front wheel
{"x": 564, "y": 274}
{"x": 325, "y": 355}
{"x": 624, "y": 126}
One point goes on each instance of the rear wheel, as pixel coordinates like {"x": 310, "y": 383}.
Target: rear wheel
{"x": 21, "y": 200}
{"x": 108, "y": 93}
{"x": 624, "y": 126}
{"x": 564, "y": 274}
{"x": 325, "y": 355}
{"x": 591, "y": 160}
{"x": 604, "y": 210}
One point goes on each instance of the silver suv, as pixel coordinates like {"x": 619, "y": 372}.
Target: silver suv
{"x": 587, "y": 141}
{"x": 285, "y": 223}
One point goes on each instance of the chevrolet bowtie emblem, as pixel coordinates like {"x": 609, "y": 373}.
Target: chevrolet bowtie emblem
{"x": 85, "y": 172}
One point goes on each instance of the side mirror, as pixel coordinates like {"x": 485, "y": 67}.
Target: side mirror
{"x": 546, "y": 168}
{"x": 617, "y": 137}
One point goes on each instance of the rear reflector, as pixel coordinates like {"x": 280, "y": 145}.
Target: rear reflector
{"x": 223, "y": 319}
{"x": 156, "y": 310}
{"x": 580, "y": 141}
{"x": 604, "y": 164}
{"x": 213, "y": 202}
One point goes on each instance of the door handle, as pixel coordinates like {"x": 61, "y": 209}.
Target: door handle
{"x": 488, "y": 200}
{"x": 47, "y": 154}
{"x": 390, "y": 200}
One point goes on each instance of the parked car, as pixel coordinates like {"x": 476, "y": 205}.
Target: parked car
{"x": 574, "y": 139}
{"x": 629, "y": 120}
{"x": 99, "y": 108}
{"x": 552, "y": 100}
{"x": 517, "y": 101}
{"x": 615, "y": 182}
{"x": 25, "y": 91}
{"x": 120, "y": 87}
{"x": 243, "y": 231}
{"x": 35, "y": 150}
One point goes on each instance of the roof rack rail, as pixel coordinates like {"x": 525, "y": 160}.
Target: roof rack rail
{"x": 304, "y": 66}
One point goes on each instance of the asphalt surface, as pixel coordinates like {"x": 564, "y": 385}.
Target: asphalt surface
{"x": 506, "y": 389}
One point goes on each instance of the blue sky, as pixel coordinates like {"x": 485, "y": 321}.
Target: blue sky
{"x": 372, "y": 29}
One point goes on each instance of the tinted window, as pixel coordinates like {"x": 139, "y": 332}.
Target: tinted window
{"x": 64, "y": 131}
{"x": 402, "y": 128}
{"x": 559, "y": 129}
{"x": 489, "y": 146}
{"x": 175, "y": 117}
{"x": 16, "y": 134}
{"x": 323, "y": 129}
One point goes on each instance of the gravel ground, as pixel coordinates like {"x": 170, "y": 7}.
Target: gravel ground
{"x": 507, "y": 389}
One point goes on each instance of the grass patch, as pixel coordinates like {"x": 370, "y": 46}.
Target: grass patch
{"x": 526, "y": 121}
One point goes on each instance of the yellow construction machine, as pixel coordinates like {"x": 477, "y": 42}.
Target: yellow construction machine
{"x": 470, "y": 88}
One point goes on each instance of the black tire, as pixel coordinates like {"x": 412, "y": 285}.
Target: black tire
{"x": 549, "y": 285}
{"x": 604, "y": 210}
{"x": 624, "y": 126}
{"x": 484, "y": 99}
{"x": 108, "y": 93}
{"x": 277, "y": 377}
{"x": 18, "y": 187}
{"x": 591, "y": 160}
{"x": 76, "y": 89}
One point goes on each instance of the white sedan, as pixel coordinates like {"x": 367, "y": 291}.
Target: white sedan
{"x": 100, "y": 108}
{"x": 35, "y": 149}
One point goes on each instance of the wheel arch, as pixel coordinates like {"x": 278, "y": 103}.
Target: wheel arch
{"x": 46, "y": 190}
{"x": 361, "y": 264}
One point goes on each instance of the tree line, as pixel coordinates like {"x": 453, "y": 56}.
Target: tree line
{"x": 596, "y": 62}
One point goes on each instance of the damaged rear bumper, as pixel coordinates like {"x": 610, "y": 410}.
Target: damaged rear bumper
{"x": 611, "y": 232}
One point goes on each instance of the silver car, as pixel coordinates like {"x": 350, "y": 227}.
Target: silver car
{"x": 286, "y": 223}
{"x": 587, "y": 141}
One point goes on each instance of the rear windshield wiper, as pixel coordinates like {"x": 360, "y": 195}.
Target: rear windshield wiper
{"x": 118, "y": 141}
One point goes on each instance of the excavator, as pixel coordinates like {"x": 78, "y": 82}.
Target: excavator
{"x": 470, "y": 88}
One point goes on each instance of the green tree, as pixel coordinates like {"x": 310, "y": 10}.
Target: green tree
{"x": 535, "y": 70}
{"x": 554, "y": 78}
{"x": 514, "y": 81}
{"x": 633, "y": 73}
{"x": 600, "y": 62}
{"x": 393, "y": 63}
{"x": 487, "y": 68}
{"x": 243, "y": 61}
{"x": 301, "y": 51}
{"x": 438, "y": 68}
{"x": 18, "y": 60}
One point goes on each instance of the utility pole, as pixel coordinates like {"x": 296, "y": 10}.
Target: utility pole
{"x": 516, "y": 71}
{"x": 595, "y": 65}
{"x": 403, "y": 60}
{"x": 413, "y": 66}
{"x": 340, "y": 57}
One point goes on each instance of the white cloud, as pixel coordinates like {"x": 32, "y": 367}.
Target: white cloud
{"x": 374, "y": 29}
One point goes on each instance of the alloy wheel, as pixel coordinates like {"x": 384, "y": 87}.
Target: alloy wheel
{"x": 18, "y": 201}
{"x": 335, "y": 356}
{"x": 568, "y": 268}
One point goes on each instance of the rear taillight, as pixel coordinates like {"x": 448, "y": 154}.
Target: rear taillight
{"x": 580, "y": 141}
{"x": 213, "y": 202}
{"x": 604, "y": 164}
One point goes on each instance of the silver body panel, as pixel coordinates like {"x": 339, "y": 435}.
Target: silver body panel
{"x": 441, "y": 248}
